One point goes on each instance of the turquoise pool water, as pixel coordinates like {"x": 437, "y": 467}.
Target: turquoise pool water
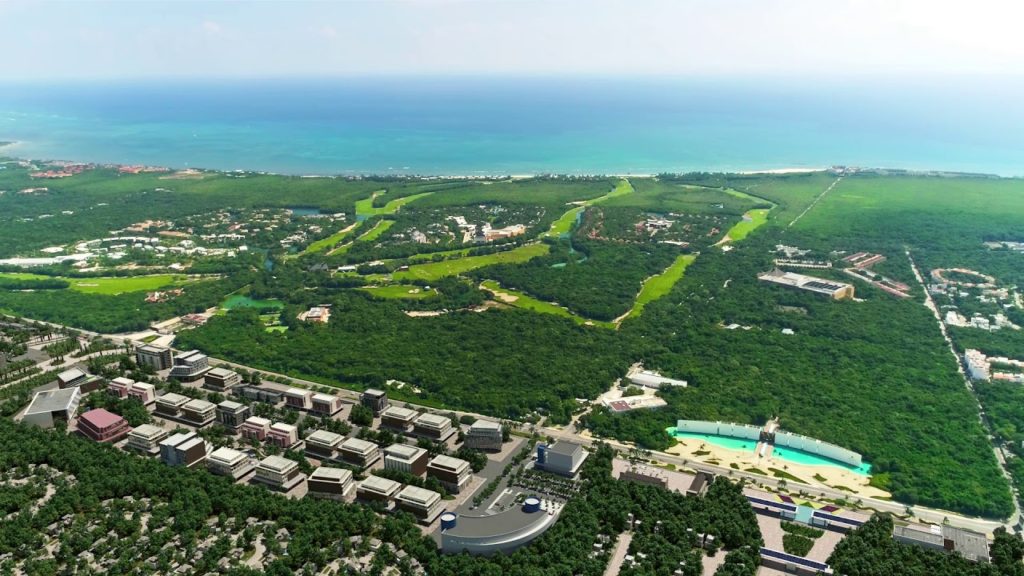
{"x": 808, "y": 459}
{"x": 723, "y": 441}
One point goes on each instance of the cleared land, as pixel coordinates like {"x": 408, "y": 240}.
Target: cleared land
{"x": 525, "y": 301}
{"x": 366, "y": 208}
{"x": 400, "y": 291}
{"x": 435, "y": 270}
{"x": 565, "y": 223}
{"x": 109, "y": 285}
{"x": 752, "y": 220}
{"x": 330, "y": 241}
{"x": 657, "y": 286}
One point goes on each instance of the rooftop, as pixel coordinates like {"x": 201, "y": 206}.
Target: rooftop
{"x": 331, "y": 474}
{"x": 172, "y": 398}
{"x": 178, "y": 438}
{"x": 434, "y": 420}
{"x": 324, "y": 397}
{"x": 220, "y": 372}
{"x": 404, "y": 451}
{"x": 227, "y": 455}
{"x": 198, "y": 405}
{"x": 53, "y": 401}
{"x": 230, "y": 405}
{"x": 374, "y": 392}
{"x": 494, "y": 526}
{"x": 484, "y": 425}
{"x": 379, "y": 485}
{"x": 564, "y": 448}
{"x": 442, "y": 461}
{"x": 325, "y": 437}
{"x": 101, "y": 418}
{"x": 257, "y": 421}
{"x": 147, "y": 431}
{"x": 282, "y": 427}
{"x": 278, "y": 464}
{"x": 190, "y": 356}
{"x": 72, "y": 374}
{"x": 398, "y": 413}
{"x": 418, "y": 495}
{"x": 152, "y": 349}
{"x": 358, "y": 445}
{"x": 296, "y": 392}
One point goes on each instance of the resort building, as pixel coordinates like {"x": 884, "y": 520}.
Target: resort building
{"x": 190, "y": 366}
{"x": 422, "y": 503}
{"x": 283, "y": 435}
{"x": 359, "y": 452}
{"x": 199, "y": 412}
{"x": 232, "y": 414}
{"x": 52, "y": 406}
{"x": 279, "y": 473}
{"x": 562, "y": 458}
{"x": 323, "y": 445}
{"x": 651, "y": 379}
{"x": 320, "y": 314}
{"x": 830, "y": 288}
{"x": 793, "y": 564}
{"x": 298, "y": 398}
{"x": 184, "y": 449}
{"x": 170, "y": 405}
{"x": 119, "y": 386}
{"x": 397, "y": 418}
{"x": 971, "y": 545}
{"x": 101, "y": 425}
{"x": 146, "y": 439}
{"x": 502, "y": 532}
{"x": 325, "y": 404}
{"x": 405, "y": 458}
{"x": 484, "y": 435}
{"x": 453, "y": 473}
{"x": 143, "y": 392}
{"x": 978, "y": 367}
{"x": 433, "y": 426}
{"x": 374, "y": 399}
{"x": 377, "y": 489}
{"x": 156, "y": 357}
{"x": 332, "y": 483}
{"x": 71, "y": 377}
{"x": 258, "y": 394}
{"x": 229, "y": 462}
{"x": 255, "y": 428}
{"x": 221, "y": 379}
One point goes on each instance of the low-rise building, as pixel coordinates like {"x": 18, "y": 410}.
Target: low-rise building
{"x": 374, "y": 399}
{"x": 156, "y": 357}
{"x": 563, "y": 458}
{"x": 101, "y": 425}
{"x": 360, "y": 453}
{"x": 199, "y": 412}
{"x": 71, "y": 377}
{"x": 433, "y": 426}
{"x": 405, "y": 458}
{"x": 377, "y": 489}
{"x": 232, "y": 414}
{"x": 332, "y": 483}
{"x": 52, "y": 406}
{"x": 190, "y": 366}
{"x": 283, "y": 435}
{"x": 255, "y": 428}
{"x": 397, "y": 418}
{"x": 484, "y": 435}
{"x": 453, "y": 473}
{"x": 323, "y": 444}
{"x": 978, "y": 367}
{"x": 502, "y": 532}
{"x": 298, "y": 398}
{"x": 426, "y": 505}
{"x": 229, "y": 462}
{"x": 221, "y": 379}
{"x": 830, "y": 288}
{"x": 971, "y": 545}
{"x": 144, "y": 392}
{"x": 184, "y": 449}
{"x": 258, "y": 394}
{"x": 325, "y": 404}
{"x": 279, "y": 473}
{"x": 146, "y": 439}
{"x": 169, "y": 405}
{"x": 119, "y": 386}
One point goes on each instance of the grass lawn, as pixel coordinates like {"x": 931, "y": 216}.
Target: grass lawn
{"x": 375, "y": 232}
{"x": 753, "y": 219}
{"x": 330, "y": 241}
{"x": 366, "y": 208}
{"x": 435, "y": 270}
{"x": 242, "y": 301}
{"x": 109, "y": 285}
{"x": 566, "y": 221}
{"x": 429, "y": 255}
{"x": 657, "y": 286}
{"x": 527, "y": 302}
{"x": 399, "y": 291}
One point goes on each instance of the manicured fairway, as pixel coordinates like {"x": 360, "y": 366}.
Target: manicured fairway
{"x": 400, "y": 291}
{"x": 366, "y": 208}
{"x": 109, "y": 285}
{"x": 435, "y": 270}
{"x": 526, "y": 302}
{"x": 657, "y": 286}
{"x": 330, "y": 241}
{"x": 566, "y": 221}
{"x": 751, "y": 221}
{"x": 242, "y": 301}
{"x": 376, "y": 231}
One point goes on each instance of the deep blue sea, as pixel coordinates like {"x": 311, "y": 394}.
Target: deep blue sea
{"x": 523, "y": 125}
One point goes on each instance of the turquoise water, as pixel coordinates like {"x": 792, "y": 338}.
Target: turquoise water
{"x": 806, "y": 458}
{"x": 723, "y": 441}
{"x": 479, "y": 125}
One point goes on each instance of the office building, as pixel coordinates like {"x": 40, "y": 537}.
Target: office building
{"x": 232, "y": 414}
{"x": 71, "y": 377}
{"x": 325, "y": 404}
{"x": 433, "y": 426}
{"x": 255, "y": 428}
{"x": 298, "y": 398}
{"x": 422, "y": 503}
{"x": 169, "y": 405}
{"x": 146, "y": 439}
{"x": 282, "y": 435}
{"x": 971, "y": 545}
{"x": 397, "y": 418}
{"x": 184, "y": 449}
{"x": 190, "y": 366}
{"x": 101, "y": 425}
{"x": 830, "y": 288}
{"x": 323, "y": 445}
{"x": 374, "y": 399}
{"x": 156, "y": 357}
{"x": 484, "y": 435}
{"x": 563, "y": 458}
{"x": 279, "y": 473}
{"x": 143, "y": 392}
{"x": 119, "y": 386}
{"x": 453, "y": 473}
{"x": 228, "y": 462}
{"x": 258, "y": 394}
{"x": 405, "y": 458}
{"x": 221, "y": 379}
{"x": 359, "y": 453}
{"x": 52, "y": 406}
{"x": 199, "y": 412}
{"x": 332, "y": 483}
{"x": 377, "y": 489}
{"x": 502, "y": 532}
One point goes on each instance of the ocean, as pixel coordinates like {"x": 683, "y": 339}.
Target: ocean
{"x": 478, "y": 126}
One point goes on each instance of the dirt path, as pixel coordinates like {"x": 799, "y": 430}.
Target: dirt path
{"x": 619, "y": 554}
{"x": 811, "y": 205}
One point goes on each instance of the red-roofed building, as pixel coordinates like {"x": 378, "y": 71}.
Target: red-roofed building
{"x": 103, "y": 426}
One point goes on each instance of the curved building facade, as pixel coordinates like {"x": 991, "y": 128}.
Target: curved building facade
{"x": 502, "y": 532}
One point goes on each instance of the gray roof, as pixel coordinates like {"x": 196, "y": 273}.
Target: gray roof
{"x": 331, "y": 474}
{"x": 230, "y": 405}
{"x": 325, "y": 437}
{"x": 404, "y": 451}
{"x": 220, "y": 372}
{"x": 379, "y": 484}
{"x": 484, "y": 425}
{"x": 971, "y": 545}
{"x": 71, "y": 374}
{"x": 53, "y": 401}
{"x": 507, "y": 522}
{"x": 375, "y": 392}
{"x": 563, "y": 447}
{"x": 277, "y": 463}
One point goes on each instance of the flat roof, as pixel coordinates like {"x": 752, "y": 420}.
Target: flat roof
{"x": 325, "y": 397}
{"x": 190, "y": 443}
{"x": 230, "y": 405}
{"x": 404, "y": 451}
{"x": 358, "y": 445}
{"x": 220, "y": 372}
{"x": 971, "y": 545}
{"x": 376, "y": 392}
{"x": 324, "y": 437}
{"x": 564, "y": 448}
{"x": 484, "y": 425}
{"x": 282, "y": 427}
{"x": 152, "y": 349}
{"x": 257, "y": 421}
{"x": 331, "y": 474}
{"x": 278, "y": 464}
{"x": 418, "y": 495}
{"x": 399, "y": 413}
{"x": 147, "y": 431}
{"x": 432, "y": 419}
{"x": 919, "y": 535}
{"x": 71, "y": 374}
{"x": 173, "y": 398}
{"x": 495, "y": 525}
{"x": 199, "y": 405}
{"x": 296, "y": 392}
{"x": 101, "y": 418}
{"x": 121, "y": 380}
{"x": 191, "y": 355}
{"x": 379, "y": 485}
{"x": 143, "y": 386}
{"x": 227, "y": 455}
{"x": 53, "y": 401}
{"x": 178, "y": 438}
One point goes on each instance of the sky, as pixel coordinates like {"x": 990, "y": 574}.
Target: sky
{"x": 117, "y": 40}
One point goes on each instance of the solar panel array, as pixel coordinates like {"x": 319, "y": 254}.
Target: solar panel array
{"x": 793, "y": 559}
{"x": 772, "y": 504}
{"x": 838, "y": 519}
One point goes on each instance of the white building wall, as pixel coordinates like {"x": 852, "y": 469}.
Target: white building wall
{"x": 814, "y": 446}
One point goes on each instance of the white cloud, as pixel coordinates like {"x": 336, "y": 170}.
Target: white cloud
{"x": 211, "y": 27}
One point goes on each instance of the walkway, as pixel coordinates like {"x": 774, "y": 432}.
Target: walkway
{"x": 618, "y": 554}
{"x": 812, "y": 204}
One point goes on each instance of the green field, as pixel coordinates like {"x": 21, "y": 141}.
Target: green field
{"x": 366, "y": 208}
{"x": 527, "y": 302}
{"x": 435, "y": 270}
{"x": 109, "y": 285}
{"x": 243, "y": 301}
{"x": 445, "y": 253}
{"x": 566, "y": 221}
{"x": 375, "y": 232}
{"x": 753, "y": 219}
{"x": 330, "y": 241}
{"x": 399, "y": 291}
{"x": 657, "y": 286}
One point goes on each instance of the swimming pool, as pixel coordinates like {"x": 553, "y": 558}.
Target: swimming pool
{"x": 721, "y": 441}
{"x": 806, "y": 458}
